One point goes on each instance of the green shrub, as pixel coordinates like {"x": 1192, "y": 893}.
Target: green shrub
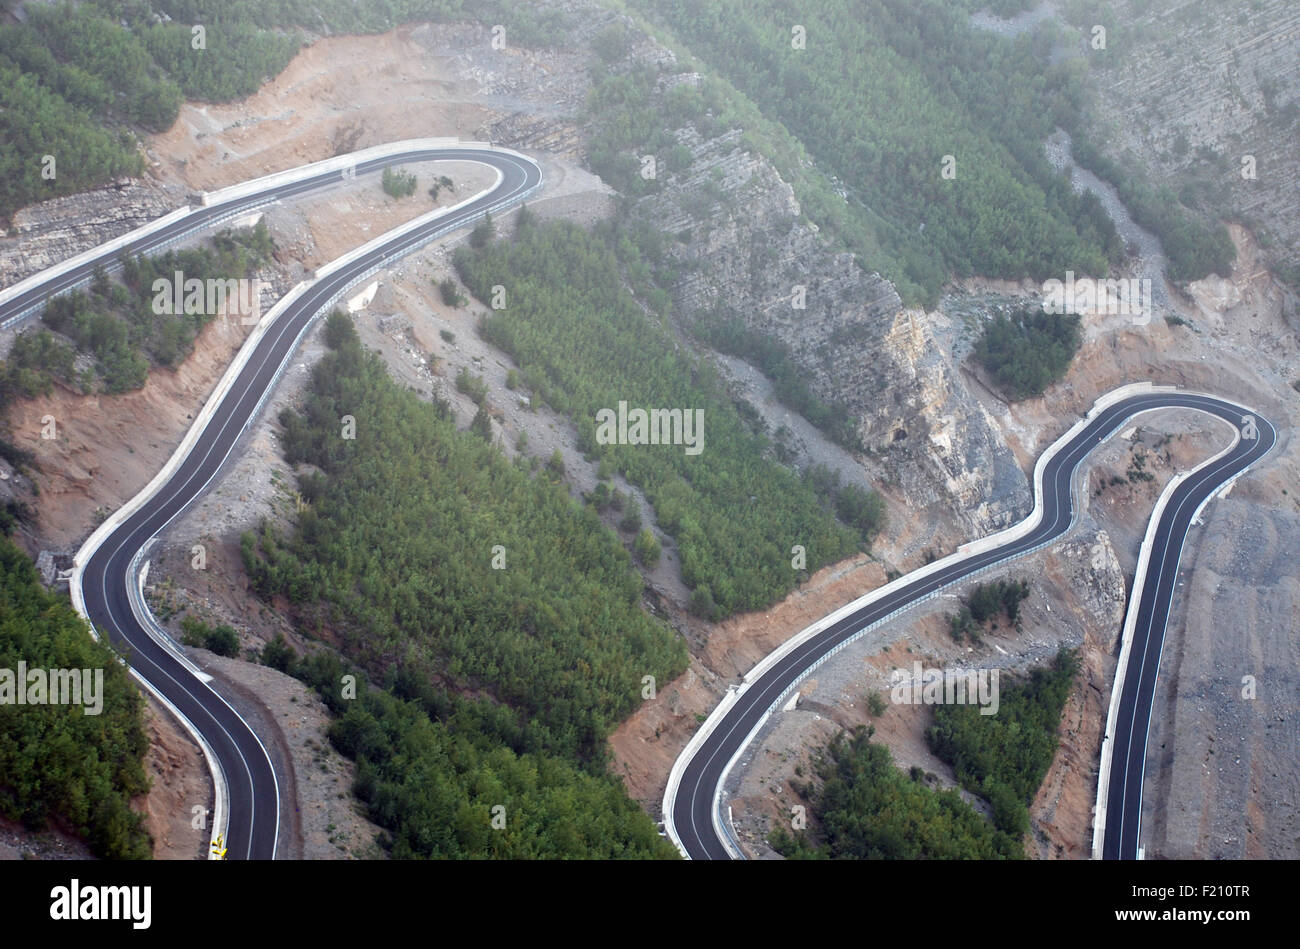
{"x": 278, "y": 654}
{"x": 473, "y": 386}
{"x": 451, "y": 296}
{"x": 646, "y": 548}
{"x": 398, "y": 182}
{"x": 1028, "y": 351}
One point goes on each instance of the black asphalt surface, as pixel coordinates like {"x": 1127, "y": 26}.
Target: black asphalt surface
{"x": 692, "y": 808}
{"x": 1128, "y": 760}
{"x": 254, "y": 799}
{"x": 202, "y": 217}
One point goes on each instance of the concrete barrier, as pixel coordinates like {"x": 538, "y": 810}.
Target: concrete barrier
{"x": 964, "y": 552}
{"x": 1126, "y": 642}
{"x": 224, "y": 196}
{"x": 188, "y": 442}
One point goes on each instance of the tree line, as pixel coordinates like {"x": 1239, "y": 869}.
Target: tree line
{"x": 118, "y": 324}
{"x": 498, "y": 624}
{"x": 584, "y": 343}
{"x": 59, "y": 765}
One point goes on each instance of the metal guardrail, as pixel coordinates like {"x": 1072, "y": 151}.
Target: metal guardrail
{"x": 370, "y": 272}
{"x": 115, "y": 265}
{"x": 723, "y": 821}
{"x": 139, "y": 606}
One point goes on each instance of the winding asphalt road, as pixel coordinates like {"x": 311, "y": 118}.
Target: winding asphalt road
{"x": 1128, "y": 760}
{"x": 691, "y": 807}
{"x": 108, "y": 574}
{"x": 254, "y": 799}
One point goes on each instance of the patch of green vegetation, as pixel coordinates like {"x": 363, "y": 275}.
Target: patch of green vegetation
{"x": 58, "y": 764}
{"x": 394, "y": 552}
{"x": 729, "y": 334}
{"x": 443, "y": 774}
{"x": 398, "y": 182}
{"x": 1028, "y": 350}
{"x": 1193, "y": 248}
{"x": 1004, "y": 757}
{"x": 985, "y": 604}
{"x": 451, "y": 296}
{"x": 440, "y": 182}
{"x": 583, "y": 343}
{"x": 881, "y": 115}
{"x": 473, "y": 386}
{"x": 221, "y": 639}
{"x": 646, "y": 548}
{"x": 122, "y": 325}
{"x": 1137, "y": 469}
{"x": 988, "y": 601}
{"x": 864, "y": 808}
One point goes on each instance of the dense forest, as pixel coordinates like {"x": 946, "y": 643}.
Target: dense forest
{"x": 77, "y": 80}
{"x": 119, "y": 323}
{"x": 422, "y": 545}
{"x": 868, "y": 99}
{"x": 446, "y": 571}
{"x": 436, "y": 769}
{"x": 58, "y": 764}
{"x": 1028, "y": 350}
{"x": 584, "y": 343}
{"x": 879, "y": 93}
{"x": 865, "y": 808}
{"x": 1004, "y": 757}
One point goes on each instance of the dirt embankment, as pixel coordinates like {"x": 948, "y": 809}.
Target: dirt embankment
{"x": 95, "y": 452}
{"x": 178, "y": 808}
{"x": 346, "y": 93}
{"x": 338, "y": 95}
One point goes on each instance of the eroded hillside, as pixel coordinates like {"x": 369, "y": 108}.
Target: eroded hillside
{"x": 950, "y": 454}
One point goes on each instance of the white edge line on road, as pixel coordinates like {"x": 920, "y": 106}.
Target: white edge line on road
{"x": 220, "y": 816}
{"x": 963, "y": 552}
{"x": 1126, "y": 642}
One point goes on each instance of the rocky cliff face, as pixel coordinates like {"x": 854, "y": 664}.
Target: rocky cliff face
{"x": 744, "y": 248}
{"x": 1195, "y": 88}
{"x": 45, "y": 234}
